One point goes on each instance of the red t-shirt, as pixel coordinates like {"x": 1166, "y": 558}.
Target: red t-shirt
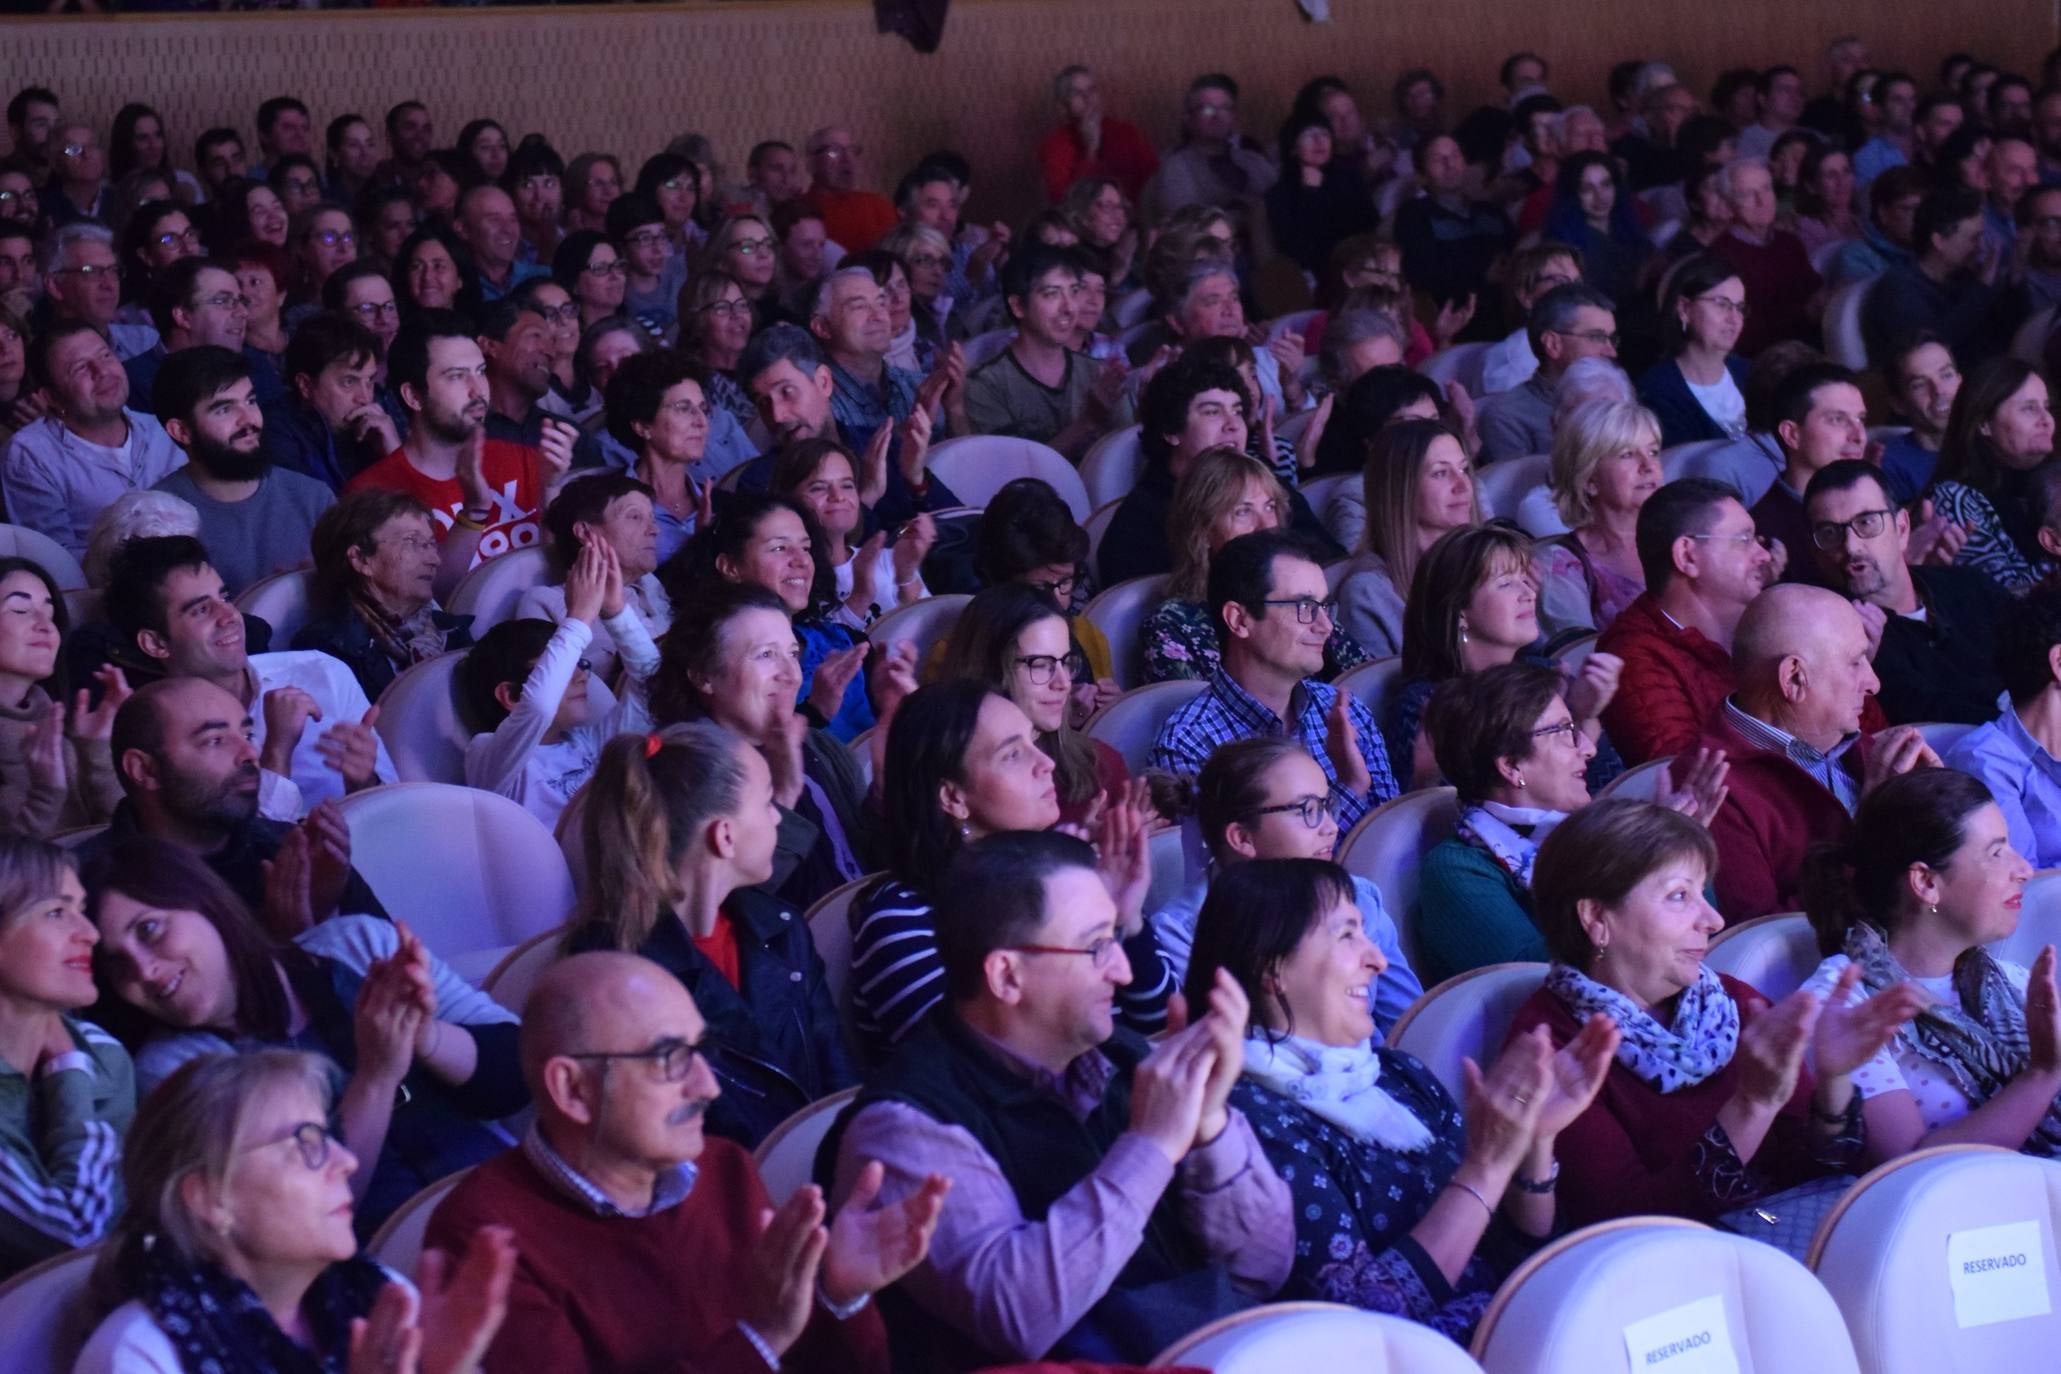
{"x": 514, "y": 475}
{"x": 720, "y": 948}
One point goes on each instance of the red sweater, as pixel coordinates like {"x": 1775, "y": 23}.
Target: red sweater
{"x": 659, "y": 1293}
{"x": 1126, "y": 157}
{"x": 853, "y": 220}
{"x": 1673, "y": 679}
{"x": 1633, "y": 1152}
{"x": 1780, "y": 285}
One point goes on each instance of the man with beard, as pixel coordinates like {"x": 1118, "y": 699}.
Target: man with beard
{"x": 256, "y": 518}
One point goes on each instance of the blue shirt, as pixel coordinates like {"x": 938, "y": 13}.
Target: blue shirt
{"x": 1908, "y": 465}
{"x": 1875, "y": 157}
{"x": 1226, "y": 711}
{"x": 2023, "y": 777}
{"x": 1828, "y": 767}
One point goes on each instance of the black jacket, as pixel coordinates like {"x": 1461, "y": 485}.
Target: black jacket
{"x": 343, "y": 635}
{"x": 1943, "y": 667}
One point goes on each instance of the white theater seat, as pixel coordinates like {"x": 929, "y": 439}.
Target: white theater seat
{"x": 1942, "y": 734}
{"x": 38, "y": 1311}
{"x": 979, "y": 465}
{"x": 787, "y": 1156}
{"x": 985, "y": 348}
{"x": 1316, "y": 1336}
{"x": 281, "y": 601}
{"x": 1097, "y": 525}
{"x": 1636, "y": 1293}
{"x": 517, "y": 973}
{"x": 1501, "y": 487}
{"x": 1120, "y": 612}
{"x": 1132, "y": 722}
{"x": 1461, "y": 363}
{"x": 923, "y": 623}
{"x": 1110, "y": 469}
{"x": 19, "y": 541}
{"x": 398, "y": 1242}
{"x": 830, "y": 927}
{"x": 489, "y": 592}
{"x": 1844, "y": 343}
{"x": 1388, "y": 847}
{"x": 1774, "y": 955}
{"x": 1372, "y": 681}
{"x": 1466, "y": 1016}
{"x": 419, "y": 721}
{"x": 2039, "y": 921}
{"x": 1643, "y": 783}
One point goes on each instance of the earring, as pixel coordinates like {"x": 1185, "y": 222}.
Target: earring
{"x": 1520, "y": 780}
{"x": 1463, "y": 634}
{"x": 966, "y": 830}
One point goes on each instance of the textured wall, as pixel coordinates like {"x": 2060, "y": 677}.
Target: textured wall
{"x": 627, "y": 79}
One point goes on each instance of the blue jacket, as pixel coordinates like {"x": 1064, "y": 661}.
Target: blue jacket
{"x": 1665, "y": 391}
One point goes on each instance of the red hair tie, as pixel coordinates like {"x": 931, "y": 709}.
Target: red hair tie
{"x": 652, "y": 744}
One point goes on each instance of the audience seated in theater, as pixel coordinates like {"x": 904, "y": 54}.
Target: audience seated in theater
{"x": 963, "y": 761}
{"x": 1886, "y": 235}
{"x": 1024, "y": 1093}
{"x": 331, "y": 425}
{"x": 1533, "y": 272}
{"x": 603, "y": 508}
{"x": 2015, "y": 754}
{"x": 1187, "y": 409}
{"x": 197, "y": 301}
{"x": 89, "y": 447}
{"x": 373, "y": 601}
{"x": 1698, "y": 390}
{"x": 70, "y": 1087}
{"x": 1449, "y": 242}
{"x": 622, "y": 1205}
{"x": 1606, "y": 463}
{"x": 238, "y": 1251}
{"x": 1204, "y": 302}
{"x": 1934, "y": 628}
{"x": 1804, "y": 739}
{"x": 1783, "y": 291}
{"x": 1087, "y": 142}
{"x": 81, "y": 285}
{"x": 1267, "y": 799}
{"x": 1321, "y": 197}
{"x": 872, "y": 576}
{"x": 1717, "y": 1100}
{"x": 1567, "y": 323}
{"x": 1703, "y": 565}
{"x": 1361, "y": 410}
{"x": 1415, "y": 486}
{"x": 1999, "y": 433}
{"x": 1214, "y": 165}
{"x": 1402, "y": 1204}
{"x": 1028, "y": 534}
{"x": 1927, "y": 879}
{"x": 1225, "y": 494}
{"x": 1593, "y": 211}
{"x": 1267, "y": 593}
{"x": 1038, "y": 387}
{"x": 679, "y": 831}
{"x": 1820, "y": 418}
{"x": 429, "y": 1059}
{"x": 1945, "y": 287}
{"x": 55, "y": 770}
{"x": 256, "y": 518}
{"x": 1924, "y": 379}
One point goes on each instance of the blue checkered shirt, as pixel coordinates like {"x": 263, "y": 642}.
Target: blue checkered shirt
{"x": 1828, "y": 768}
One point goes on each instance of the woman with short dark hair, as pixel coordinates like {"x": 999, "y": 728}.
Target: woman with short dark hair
{"x": 374, "y": 603}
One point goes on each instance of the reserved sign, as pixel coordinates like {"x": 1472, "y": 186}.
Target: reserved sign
{"x": 1998, "y": 1274}
{"x": 1690, "y": 1339}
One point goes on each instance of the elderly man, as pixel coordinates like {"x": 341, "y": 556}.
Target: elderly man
{"x": 644, "y": 1243}
{"x": 1781, "y": 285}
{"x": 1792, "y": 734}
{"x": 854, "y": 219}
{"x": 850, "y": 319}
{"x": 1567, "y": 323}
{"x": 1086, "y": 142}
{"x": 1214, "y": 165}
{"x": 1820, "y": 418}
{"x": 1106, "y": 1196}
{"x": 82, "y": 281}
{"x": 489, "y": 226}
{"x": 1209, "y": 306}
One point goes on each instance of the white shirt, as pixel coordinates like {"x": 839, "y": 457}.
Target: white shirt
{"x": 335, "y": 689}
{"x": 57, "y": 482}
{"x": 645, "y": 595}
{"x": 1721, "y": 401}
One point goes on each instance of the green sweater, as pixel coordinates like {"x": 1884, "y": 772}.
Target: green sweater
{"x": 1470, "y": 913}
{"x": 61, "y": 1137}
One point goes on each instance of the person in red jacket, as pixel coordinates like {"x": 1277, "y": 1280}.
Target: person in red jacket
{"x": 1088, "y": 143}
{"x": 646, "y": 1245}
{"x": 854, "y": 219}
{"x": 1793, "y": 733}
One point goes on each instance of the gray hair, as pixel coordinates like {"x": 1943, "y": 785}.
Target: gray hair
{"x": 905, "y": 238}
{"x": 1727, "y": 178}
{"x": 135, "y": 514}
{"x": 819, "y": 299}
{"x": 1590, "y": 380}
{"x": 1350, "y": 328}
{"x": 1568, "y": 116}
{"x": 1654, "y": 76}
{"x": 780, "y": 343}
{"x": 1199, "y": 271}
{"x": 1065, "y": 77}
{"x": 1554, "y": 312}
{"x": 593, "y": 334}
{"x": 77, "y": 232}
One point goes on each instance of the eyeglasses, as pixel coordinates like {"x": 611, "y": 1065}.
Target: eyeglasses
{"x": 537, "y": 183}
{"x": 412, "y": 543}
{"x": 188, "y": 235}
{"x": 751, "y": 248}
{"x": 1594, "y": 336}
{"x": 585, "y": 665}
{"x": 1565, "y": 728}
{"x": 929, "y": 260}
{"x": 569, "y": 313}
{"x": 24, "y": 195}
{"x": 1040, "y": 667}
{"x": 335, "y": 238}
{"x": 92, "y": 271}
{"x": 674, "y": 1056}
{"x": 74, "y": 149}
{"x": 299, "y": 184}
{"x": 1060, "y": 591}
{"x": 378, "y": 310}
{"x": 650, "y": 238}
{"x": 1312, "y": 809}
{"x": 311, "y": 1138}
{"x": 1101, "y": 953}
{"x": 728, "y": 310}
{"x": 1724, "y": 303}
{"x": 677, "y": 184}
{"x": 1831, "y": 534}
{"x": 224, "y": 300}
{"x": 1307, "y": 608}
{"x": 1740, "y": 540}
{"x": 686, "y": 408}
{"x": 838, "y": 150}
{"x": 608, "y": 269}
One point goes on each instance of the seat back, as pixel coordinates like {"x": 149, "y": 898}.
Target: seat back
{"x": 1573, "y": 654}
{"x": 281, "y": 601}
{"x": 1371, "y": 683}
{"x": 84, "y": 606}
{"x": 1461, "y": 363}
{"x": 2029, "y": 344}
{"x": 398, "y": 1242}
{"x": 1315, "y": 1335}
{"x": 1388, "y": 846}
{"x": 1945, "y": 1260}
{"x": 1132, "y": 722}
{"x": 830, "y": 927}
{"x": 861, "y": 746}
{"x": 1119, "y": 612}
{"x": 1942, "y": 734}
{"x": 1502, "y": 486}
{"x": 979, "y": 465}
{"x": 1773, "y": 955}
{"x": 39, "y": 1312}
{"x": 1641, "y": 1292}
{"x": 419, "y": 721}
{"x": 1643, "y": 783}
{"x": 1680, "y": 460}
{"x": 1320, "y": 492}
{"x": 1294, "y": 322}
{"x": 1132, "y": 309}
{"x": 923, "y": 623}
{"x": 985, "y": 348}
{"x": 1466, "y": 1016}
{"x": 472, "y": 872}
{"x": 787, "y": 1156}
{"x": 1097, "y": 525}
{"x": 1843, "y": 342}
{"x": 1168, "y": 849}
{"x": 489, "y": 592}
{"x": 19, "y": 541}
{"x": 1110, "y": 469}
{"x": 520, "y": 968}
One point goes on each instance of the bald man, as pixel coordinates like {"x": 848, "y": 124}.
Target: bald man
{"x": 647, "y": 1244}
{"x": 1792, "y": 732}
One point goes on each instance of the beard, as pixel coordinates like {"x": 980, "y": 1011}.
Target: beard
{"x": 217, "y": 803}
{"x": 227, "y": 463}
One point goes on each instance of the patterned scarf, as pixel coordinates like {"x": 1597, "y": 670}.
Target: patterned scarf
{"x": 1980, "y": 1040}
{"x": 404, "y": 642}
{"x": 1700, "y": 1042}
{"x": 1495, "y": 827}
{"x": 1342, "y": 1085}
{"x": 218, "y": 1325}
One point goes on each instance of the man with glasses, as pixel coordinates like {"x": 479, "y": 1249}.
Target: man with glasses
{"x": 487, "y": 224}
{"x": 854, "y": 219}
{"x": 1107, "y": 1197}
{"x": 1820, "y": 418}
{"x": 1782, "y": 288}
{"x": 82, "y": 278}
{"x": 78, "y": 180}
{"x": 196, "y": 303}
{"x": 1214, "y": 165}
{"x": 1567, "y": 323}
{"x": 330, "y": 424}
{"x": 654, "y": 268}
{"x": 1934, "y": 627}
{"x": 1274, "y": 614}
{"x": 643, "y": 1241}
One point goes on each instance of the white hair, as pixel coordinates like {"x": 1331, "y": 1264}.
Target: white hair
{"x": 61, "y": 242}
{"x": 1591, "y": 379}
{"x": 136, "y": 514}
{"x": 1727, "y": 178}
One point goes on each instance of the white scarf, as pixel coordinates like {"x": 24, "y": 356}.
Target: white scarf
{"x": 1339, "y": 1084}
{"x": 1493, "y": 826}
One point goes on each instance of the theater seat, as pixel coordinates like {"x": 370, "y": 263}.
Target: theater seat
{"x": 1466, "y": 1016}
{"x": 1097, "y": 525}
{"x": 1896, "y": 1255}
{"x": 398, "y": 1242}
{"x": 1640, "y": 784}
{"x": 1843, "y": 341}
{"x": 19, "y": 541}
{"x": 281, "y": 601}
{"x": 1120, "y": 612}
{"x": 1461, "y": 363}
{"x": 1390, "y": 843}
{"x": 2039, "y": 921}
{"x": 923, "y": 623}
{"x": 1638, "y": 1292}
{"x": 831, "y": 928}
{"x": 1372, "y": 681}
{"x": 419, "y": 721}
{"x": 1773, "y": 955}
{"x": 1500, "y": 487}
{"x": 517, "y": 973}
{"x": 1941, "y": 734}
{"x": 985, "y": 348}
{"x": 979, "y": 465}
{"x": 38, "y": 1308}
{"x": 1132, "y": 722}
{"x": 489, "y": 592}
{"x": 1312, "y": 1336}
{"x": 787, "y": 1156}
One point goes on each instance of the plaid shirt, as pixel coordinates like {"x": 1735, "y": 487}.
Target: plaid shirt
{"x": 863, "y": 407}
{"x": 1226, "y": 711}
{"x": 669, "y": 1190}
{"x": 1828, "y": 768}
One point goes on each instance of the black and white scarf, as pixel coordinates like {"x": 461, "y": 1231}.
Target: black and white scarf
{"x": 1699, "y": 1042}
{"x": 219, "y": 1326}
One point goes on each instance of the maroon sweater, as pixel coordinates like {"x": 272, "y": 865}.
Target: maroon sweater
{"x": 644, "y": 1294}
{"x": 1673, "y": 679}
{"x": 1634, "y": 1152}
{"x": 1780, "y": 283}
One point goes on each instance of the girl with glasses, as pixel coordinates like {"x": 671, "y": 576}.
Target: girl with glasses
{"x": 746, "y": 248}
{"x": 324, "y": 242}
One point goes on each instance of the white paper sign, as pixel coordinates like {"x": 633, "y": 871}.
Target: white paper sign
{"x": 1690, "y": 1339}
{"x": 1998, "y": 1274}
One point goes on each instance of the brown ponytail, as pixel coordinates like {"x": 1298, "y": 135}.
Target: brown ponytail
{"x": 1919, "y": 817}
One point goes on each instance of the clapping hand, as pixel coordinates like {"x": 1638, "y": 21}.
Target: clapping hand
{"x": 1935, "y": 540}
{"x": 1342, "y": 746}
{"x": 1893, "y": 753}
{"x": 1702, "y": 791}
{"x": 1771, "y": 1048}
{"x": 834, "y": 677}
{"x": 780, "y": 1273}
{"x": 1848, "y": 1036}
{"x": 463, "y": 1305}
{"x": 1594, "y": 686}
{"x": 1502, "y": 1106}
{"x": 870, "y": 1247}
{"x": 351, "y": 749}
{"x": 1575, "y": 1075}
{"x": 97, "y": 722}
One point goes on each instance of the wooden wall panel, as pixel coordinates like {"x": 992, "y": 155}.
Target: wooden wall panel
{"x": 627, "y": 79}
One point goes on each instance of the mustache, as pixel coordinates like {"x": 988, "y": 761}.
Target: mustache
{"x": 691, "y": 1111}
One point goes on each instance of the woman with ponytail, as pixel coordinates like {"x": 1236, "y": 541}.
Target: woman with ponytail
{"x": 1927, "y": 879}
{"x": 678, "y": 831}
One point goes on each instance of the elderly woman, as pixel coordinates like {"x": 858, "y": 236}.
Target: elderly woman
{"x": 922, "y": 317}
{"x": 1716, "y": 1100}
{"x": 1417, "y": 486}
{"x": 1507, "y": 742}
{"x": 1999, "y": 432}
{"x": 1402, "y": 1204}
{"x": 1223, "y": 495}
{"x": 237, "y": 1252}
{"x": 1927, "y": 879}
{"x": 136, "y": 514}
{"x": 1606, "y": 462}
{"x": 1697, "y": 391}
{"x": 376, "y": 570}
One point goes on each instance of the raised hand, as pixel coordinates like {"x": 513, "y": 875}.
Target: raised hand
{"x": 97, "y": 722}
{"x": 1167, "y": 1090}
{"x": 870, "y": 1247}
{"x": 1453, "y": 316}
{"x": 894, "y": 677}
{"x": 289, "y": 905}
{"x": 833, "y": 676}
{"x": 780, "y": 1272}
{"x": 352, "y": 750}
{"x": 386, "y": 1340}
{"x": 1224, "y": 1023}
{"x": 1342, "y": 746}
{"x": 1849, "y": 1036}
{"x": 1594, "y": 686}
{"x": 1123, "y": 857}
{"x": 1502, "y": 1106}
{"x": 1771, "y": 1049}
{"x": 1575, "y": 1075}
{"x": 1702, "y": 791}
{"x": 555, "y": 444}
{"x": 873, "y": 462}
{"x": 2043, "y": 1015}
{"x": 586, "y": 583}
{"x": 1874, "y": 620}
{"x": 612, "y": 595}
{"x": 1935, "y": 540}
{"x": 1313, "y": 432}
{"x": 370, "y": 424}
{"x": 1108, "y": 388}
{"x": 1288, "y": 350}
{"x": 329, "y": 857}
{"x": 43, "y": 748}
{"x": 918, "y": 538}
{"x": 916, "y": 432}
{"x": 1894, "y": 752}
{"x": 781, "y": 744}
{"x": 386, "y": 1022}
{"x": 463, "y": 1305}
{"x": 287, "y": 713}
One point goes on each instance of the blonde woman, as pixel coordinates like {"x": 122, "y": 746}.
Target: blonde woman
{"x": 1606, "y": 462}
{"x": 920, "y": 317}
{"x": 744, "y": 247}
{"x": 1417, "y": 485}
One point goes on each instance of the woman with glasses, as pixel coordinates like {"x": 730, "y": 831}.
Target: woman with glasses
{"x": 238, "y": 1256}
{"x": 675, "y": 183}
{"x": 297, "y": 181}
{"x": 362, "y": 290}
{"x": 158, "y": 234}
{"x": 1606, "y": 462}
{"x": 923, "y": 259}
{"x": 592, "y": 180}
{"x": 715, "y": 324}
{"x": 1027, "y": 534}
{"x": 374, "y": 601}
{"x": 1405, "y": 1201}
{"x": 593, "y": 273}
{"x": 963, "y": 761}
{"x": 744, "y": 247}
{"x": 873, "y": 576}
{"x": 430, "y": 1061}
{"x": 679, "y": 831}
{"x": 324, "y": 240}
{"x": 1698, "y": 391}
{"x": 2001, "y": 429}
{"x": 18, "y": 199}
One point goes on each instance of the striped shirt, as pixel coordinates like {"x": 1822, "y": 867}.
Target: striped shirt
{"x": 1828, "y": 768}
{"x": 61, "y": 1148}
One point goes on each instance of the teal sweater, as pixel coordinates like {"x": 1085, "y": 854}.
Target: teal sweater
{"x": 1470, "y": 913}
{"x": 61, "y": 1136}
